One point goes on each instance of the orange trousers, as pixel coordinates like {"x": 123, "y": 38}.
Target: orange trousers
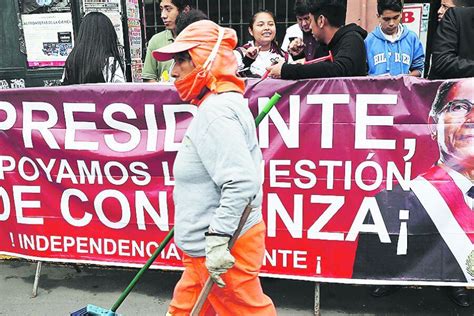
{"x": 242, "y": 295}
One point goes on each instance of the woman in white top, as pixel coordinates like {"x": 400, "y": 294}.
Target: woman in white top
{"x": 95, "y": 56}
{"x": 254, "y": 57}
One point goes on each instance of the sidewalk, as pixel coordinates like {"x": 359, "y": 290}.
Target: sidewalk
{"x": 62, "y": 290}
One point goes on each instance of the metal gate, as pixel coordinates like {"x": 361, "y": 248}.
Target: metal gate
{"x": 229, "y": 13}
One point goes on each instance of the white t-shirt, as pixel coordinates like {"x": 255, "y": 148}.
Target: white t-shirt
{"x": 393, "y": 38}
{"x": 107, "y": 72}
{"x": 262, "y": 61}
{"x": 292, "y": 31}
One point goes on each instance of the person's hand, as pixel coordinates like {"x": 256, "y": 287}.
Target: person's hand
{"x": 299, "y": 61}
{"x": 252, "y": 52}
{"x": 296, "y": 46}
{"x": 218, "y": 257}
{"x": 275, "y": 70}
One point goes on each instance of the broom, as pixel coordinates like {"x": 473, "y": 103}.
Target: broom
{"x": 92, "y": 310}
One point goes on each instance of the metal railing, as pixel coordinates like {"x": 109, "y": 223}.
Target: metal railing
{"x": 230, "y": 13}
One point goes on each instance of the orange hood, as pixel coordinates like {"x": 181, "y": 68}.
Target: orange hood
{"x": 199, "y": 38}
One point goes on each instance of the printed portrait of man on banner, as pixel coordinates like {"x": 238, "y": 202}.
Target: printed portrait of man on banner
{"x": 431, "y": 226}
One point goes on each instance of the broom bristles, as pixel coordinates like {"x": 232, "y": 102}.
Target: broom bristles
{"x": 92, "y": 310}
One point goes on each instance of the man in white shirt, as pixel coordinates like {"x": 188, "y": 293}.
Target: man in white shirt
{"x": 299, "y": 41}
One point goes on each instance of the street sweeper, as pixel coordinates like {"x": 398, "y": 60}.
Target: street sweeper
{"x": 217, "y": 176}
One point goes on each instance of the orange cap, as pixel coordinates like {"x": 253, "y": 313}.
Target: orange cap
{"x": 199, "y": 38}
{"x": 202, "y": 33}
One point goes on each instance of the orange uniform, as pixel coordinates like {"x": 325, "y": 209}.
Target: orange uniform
{"x": 242, "y": 294}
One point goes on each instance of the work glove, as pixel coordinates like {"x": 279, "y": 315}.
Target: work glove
{"x": 218, "y": 257}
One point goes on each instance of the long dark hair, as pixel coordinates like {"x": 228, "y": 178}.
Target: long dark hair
{"x": 95, "y": 43}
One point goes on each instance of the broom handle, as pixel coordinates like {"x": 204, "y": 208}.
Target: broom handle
{"x": 209, "y": 283}
{"x": 273, "y": 100}
{"x": 132, "y": 284}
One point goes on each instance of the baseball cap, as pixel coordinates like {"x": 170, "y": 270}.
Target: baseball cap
{"x": 198, "y": 33}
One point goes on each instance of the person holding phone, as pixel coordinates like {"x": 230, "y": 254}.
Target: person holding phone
{"x": 254, "y": 57}
{"x": 299, "y": 41}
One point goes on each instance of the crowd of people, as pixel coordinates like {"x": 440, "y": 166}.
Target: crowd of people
{"x": 391, "y": 49}
{"x": 216, "y": 173}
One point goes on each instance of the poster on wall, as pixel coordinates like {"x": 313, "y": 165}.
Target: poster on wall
{"x": 48, "y": 38}
{"x": 133, "y": 10}
{"x": 45, "y": 6}
{"x": 137, "y": 68}
{"x": 416, "y": 18}
{"x": 135, "y": 39}
{"x": 110, "y": 8}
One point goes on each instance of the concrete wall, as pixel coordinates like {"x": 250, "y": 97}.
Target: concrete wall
{"x": 362, "y": 12}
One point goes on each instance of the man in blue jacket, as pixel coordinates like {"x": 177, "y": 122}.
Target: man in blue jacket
{"x": 392, "y": 49}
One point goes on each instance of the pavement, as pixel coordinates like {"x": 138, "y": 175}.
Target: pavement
{"x": 62, "y": 289}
